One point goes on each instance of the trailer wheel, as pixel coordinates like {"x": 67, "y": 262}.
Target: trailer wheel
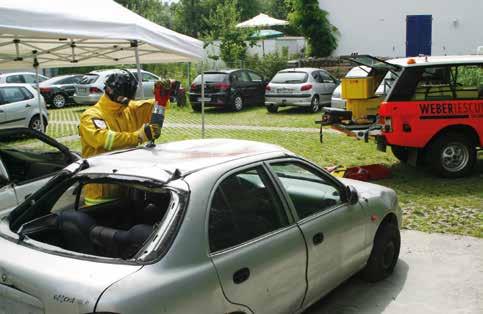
{"x": 400, "y": 153}
{"x": 452, "y": 155}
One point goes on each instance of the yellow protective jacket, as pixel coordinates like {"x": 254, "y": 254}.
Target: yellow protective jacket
{"x": 109, "y": 126}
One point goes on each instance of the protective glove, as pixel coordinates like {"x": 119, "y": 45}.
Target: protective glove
{"x": 148, "y": 132}
{"x": 162, "y": 91}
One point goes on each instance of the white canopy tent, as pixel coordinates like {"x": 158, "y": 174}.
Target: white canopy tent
{"x": 69, "y": 33}
{"x": 262, "y": 20}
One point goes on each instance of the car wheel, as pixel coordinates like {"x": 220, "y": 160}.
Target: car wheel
{"x": 272, "y": 108}
{"x": 314, "y": 104}
{"x": 452, "y": 155}
{"x": 196, "y": 107}
{"x": 36, "y": 125}
{"x": 59, "y": 101}
{"x": 237, "y": 103}
{"x": 400, "y": 153}
{"x": 384, "y": 254}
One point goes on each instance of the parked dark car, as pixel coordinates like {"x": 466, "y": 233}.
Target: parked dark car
{"x": 231, "y": 89}
{"x": 58, "y": 91}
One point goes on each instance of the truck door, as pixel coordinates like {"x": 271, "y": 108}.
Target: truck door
{"x": 418, "y": 35}
{"x": 258, "y": 253}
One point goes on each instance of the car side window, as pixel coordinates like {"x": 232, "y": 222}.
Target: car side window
{"x": 255, "y": 77}
{"x": 244, "y": 76}
{"x": 30, "y": 79}
{"x": 244, "y": 206}
{"x": 325, "y": 78}
{"x": 12, "y": 94}
{"x": 149, "y": 78}
{"x": 309, "y": 191}
{"x": 317, "y": 77}
{"x": 468, "y": 81}
{"x": 15, "y": 79}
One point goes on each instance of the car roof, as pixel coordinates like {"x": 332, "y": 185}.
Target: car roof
{"x": 109, "y": 71}
{"x": 28, "y": 86}
{"x": 226, "y": 71}
{"x": 438, "y": 60}
{"x": 184, "y": 157}
{"x": 307, "y": 70}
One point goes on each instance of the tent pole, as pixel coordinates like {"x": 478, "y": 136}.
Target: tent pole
{"x": 37, "y": 85}
{"x": 138, "y": 68}
{"x": 202, "y": 101}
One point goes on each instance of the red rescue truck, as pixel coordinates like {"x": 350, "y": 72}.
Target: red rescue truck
{"x": 433, "y": 113}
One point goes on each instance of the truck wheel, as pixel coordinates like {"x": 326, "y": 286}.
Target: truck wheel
{"x": 384, "y": 254}
{"x": 452, "y": 155}
{"x": 272, "y": 108}
{"x": 400, "y": 153}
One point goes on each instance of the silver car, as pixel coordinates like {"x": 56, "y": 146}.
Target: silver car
{"x": 202, "y": 226}
{"x": 21, "y": 78}
{"x": 304, "y": 87}
{"x": 19, "y": 107}
{"x": 91, "y": 87}
{"x": 28, "y": 160}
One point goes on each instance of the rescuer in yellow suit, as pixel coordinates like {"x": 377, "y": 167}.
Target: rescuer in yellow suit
{"x": 115, "y": 122}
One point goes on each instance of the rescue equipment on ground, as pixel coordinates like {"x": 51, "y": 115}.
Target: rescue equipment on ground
{"x": 361, "y": 173}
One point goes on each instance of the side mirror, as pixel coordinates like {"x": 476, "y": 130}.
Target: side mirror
{"x": 3, "y": 180}
{"x": 352, "y": 195}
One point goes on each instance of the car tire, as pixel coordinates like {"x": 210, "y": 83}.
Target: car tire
{"x": 196, "y": 107}
{"x": 59, "y": 101}
{"x": 452, "y": 155}
{"x": 384, "y": 254}
{"x": 401, "y": 153}
{"x": 36, "y": 125}
{"x": 314, "y": 104}
{"x": 236, "y": 103}
{"x": 272, "y": 108}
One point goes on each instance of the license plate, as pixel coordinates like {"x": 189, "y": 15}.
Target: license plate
{"x": 82, "y": 90}
{"x": 206, "y": 99}
{"x": 284, "y": 91}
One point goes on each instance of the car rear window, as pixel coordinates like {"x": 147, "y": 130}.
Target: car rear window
{"x": 89, "y": 79}
{"x": 290, "y": 77}
{"x": 212, "y": 78}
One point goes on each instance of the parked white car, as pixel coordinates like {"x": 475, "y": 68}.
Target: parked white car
{"x": 303, "y": 87}
{"x": 91, "y": 87}
{"x": 21, "y": 77}
{"x": 19, "y": 107}
{"x": 28, "y": 159}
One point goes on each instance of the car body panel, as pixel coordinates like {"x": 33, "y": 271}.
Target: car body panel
{"x": 64, "y": 85}
{"x": 21, "y": 78}
{"x": 188, "y": 278}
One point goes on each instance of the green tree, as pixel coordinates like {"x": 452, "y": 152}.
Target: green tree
{"x": 314, "y": 24}
{"x": 149, "y": 9}
{"x": 278, "y": 9}
{"x": 222, "y": 24}
{"x": 188, "y": 17}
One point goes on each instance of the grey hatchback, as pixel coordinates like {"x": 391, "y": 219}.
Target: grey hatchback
{"x": 204, "y": 226}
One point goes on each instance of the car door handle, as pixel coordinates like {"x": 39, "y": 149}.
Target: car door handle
{"x": 27, "y": 106}
{"x": 318, "y": 238}
{"x": 241, "y": 275}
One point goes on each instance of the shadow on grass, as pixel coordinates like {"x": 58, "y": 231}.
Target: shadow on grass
{"x": 357, "y": 296}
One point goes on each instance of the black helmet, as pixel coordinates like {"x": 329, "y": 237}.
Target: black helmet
{"x": 122, "y": 87}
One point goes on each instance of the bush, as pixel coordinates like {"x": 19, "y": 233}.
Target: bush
{"x": 269, "y": 64}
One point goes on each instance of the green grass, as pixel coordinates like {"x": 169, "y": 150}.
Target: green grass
{"x": 429, "y": 203}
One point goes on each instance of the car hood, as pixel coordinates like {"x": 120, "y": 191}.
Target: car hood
{"x": 33, "y": 281}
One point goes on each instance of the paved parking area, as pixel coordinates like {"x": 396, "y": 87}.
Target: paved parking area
{"x": 435, "y": 274}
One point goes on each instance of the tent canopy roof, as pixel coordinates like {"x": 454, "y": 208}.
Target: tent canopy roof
{"x": 262, "y": 20}
{"x": 66, "y": 33}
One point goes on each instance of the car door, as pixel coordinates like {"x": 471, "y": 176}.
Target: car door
{"x": 258, "y": 251}
{"x": 333, "y": 229}
{"x": 68, "y": 85}
{"x": 259, "y": 87}
{"x": 148, "y": 84}
{"x": 17, "y": 102}
{"x": 243, "y": 86}
{"x": 30, "y": 159}
{"x": 328, "y": 84}
{"x": 317, "y": 85}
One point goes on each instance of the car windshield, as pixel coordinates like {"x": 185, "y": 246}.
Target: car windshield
{"x": 89, "y": 79}
{"x": 290, "y": 77}
{"x": 212, "y": 78}
{"x": 80, "y": 221}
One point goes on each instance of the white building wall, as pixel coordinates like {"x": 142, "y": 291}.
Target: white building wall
{"x": 378, "y": 27}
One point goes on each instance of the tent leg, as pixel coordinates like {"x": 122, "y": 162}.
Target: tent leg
{"x": 138, "y": 68}
{"x": 37, "y": 85}
{"x": 202, "y": 101}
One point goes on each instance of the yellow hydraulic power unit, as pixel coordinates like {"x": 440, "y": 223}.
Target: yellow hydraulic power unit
{"x": 361, "y": 108}
{"x": 358, "y": 88}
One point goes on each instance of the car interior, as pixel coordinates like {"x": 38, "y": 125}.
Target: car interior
{"x": 114, "y": 229}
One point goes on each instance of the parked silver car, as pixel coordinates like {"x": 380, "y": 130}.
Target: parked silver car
{"x": 28, "y": 160}
{"x": 91, "y": 87}
{"x": 19, "y": 107}
{"x": 203, "y": 226}
{"x": 21, "y": 77}
{"x": 304, "y": 87}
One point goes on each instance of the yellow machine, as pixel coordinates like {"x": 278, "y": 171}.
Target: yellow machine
{"x": 361, "y": 101}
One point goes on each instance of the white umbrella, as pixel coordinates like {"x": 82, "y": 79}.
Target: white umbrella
{"x": 262, "y": 20}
